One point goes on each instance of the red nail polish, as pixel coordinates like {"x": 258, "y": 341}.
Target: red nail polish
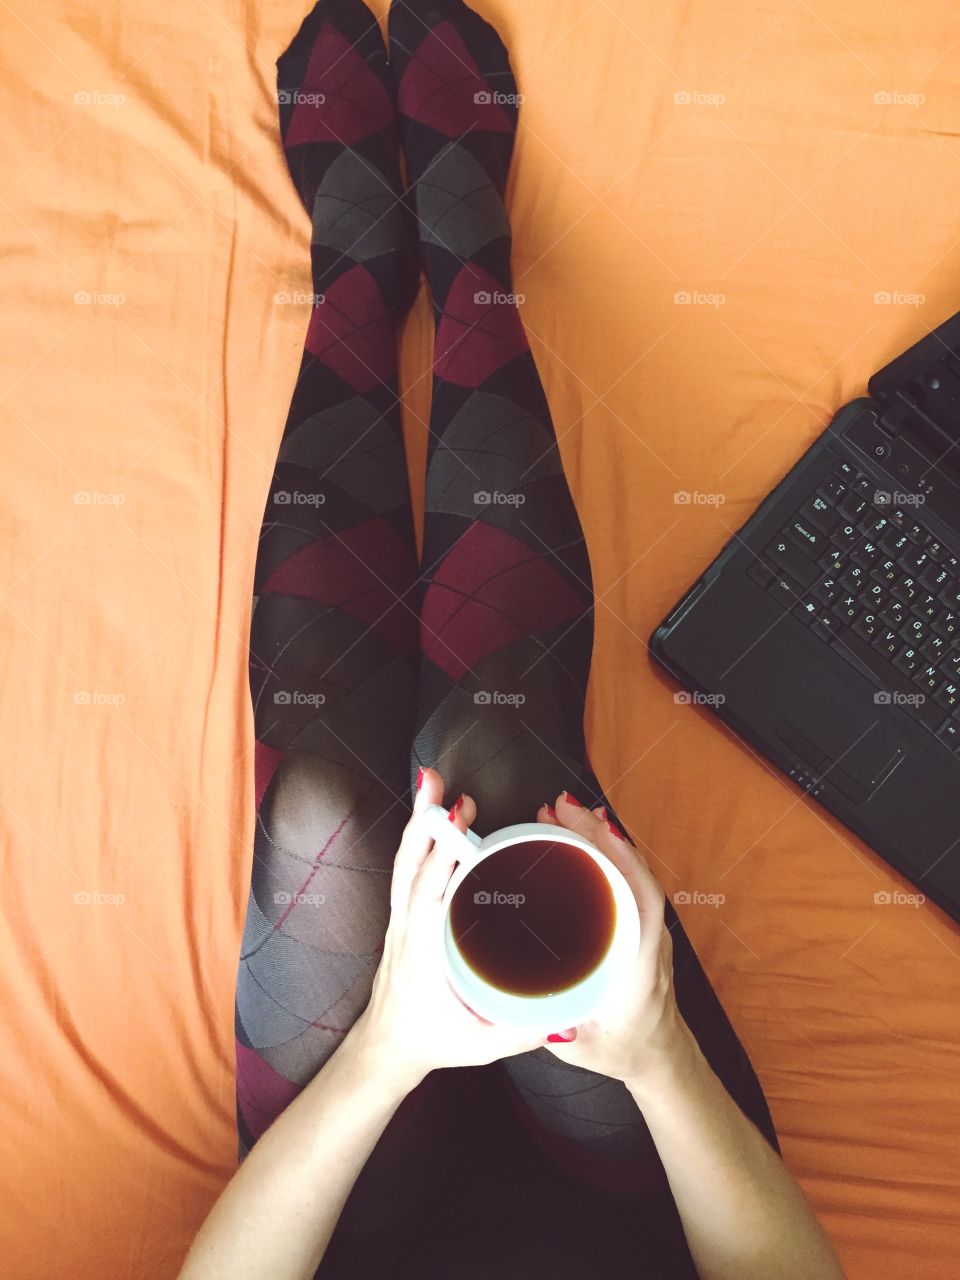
{"x": 573, "y": 800}
{"x": 616, "y": 830}
{"x": 455, "y": 808}
{"x": 551, "y": 811}
{"x": 419, "y": 777}
{"x": 602, "y": 815}
{"x": 553, "y": 1038}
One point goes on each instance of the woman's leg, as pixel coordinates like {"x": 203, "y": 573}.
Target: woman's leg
{"x": 507, "y": 609}
{"x": 334, "y": 641}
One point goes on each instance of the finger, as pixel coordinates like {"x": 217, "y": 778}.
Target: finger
{"x": 646, "y": 889}
{"x": 575, "y": 817}
{"x": 430, "y": 882}
{"x": 547, "y": 814}
{"x": 415, "y": 843}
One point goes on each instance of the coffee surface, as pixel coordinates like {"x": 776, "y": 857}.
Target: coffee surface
{"x": 535, "y": 918}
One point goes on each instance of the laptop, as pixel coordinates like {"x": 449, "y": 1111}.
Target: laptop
{"x": 826, "y": 633}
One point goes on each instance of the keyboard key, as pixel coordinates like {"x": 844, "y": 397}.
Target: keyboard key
{"x": 806, "y": 535}
{"x": 887, "y": 642}
{"x": 948, "y": 696}
{"x": 936, "y": 551}
{"x": 894, "y": 615}
{"x": 826, "y": 590}
{"x": 760, "y": 573}
{"x": 908, "y": 661}
{"x": 929, "y": 679}
{"x": 820, "y": 514}
{"x": 865, "y": 554}
{"x": 844, "y": 536}
{"x": 875, "y": 528}
{"x": 949, "y": 734}
{"x": 935, "y": 578}
{"x": 894, "y": 544}
{"x": 847, "y": 609}
{"x": 874, "y": 596}
{"x": 947, "y": 625}
{"x": 914, "y": 562}
{"x": 950, "y": 666}
{"x": 934, "y": 648}
{"x": 926, "y": 607}
{"x": 786, "y": 592}
{"x": 825, "y": 627}
{"x": 867, "y": 625}
{"x": 832, "y": 489}
{"x": 886, "y": 572}
{"x": 852, "y": 508}
{"x": 916, "y": 632}
{"x": 950, "y": 596}
{"x": 788, "y": 559}
{"x": 847, "y": 472}
{"x": 906, "y": 590}
{"x": 915, "y": 532}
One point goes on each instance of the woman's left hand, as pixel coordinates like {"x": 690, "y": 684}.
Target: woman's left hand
{"x": 414, "y": 1022}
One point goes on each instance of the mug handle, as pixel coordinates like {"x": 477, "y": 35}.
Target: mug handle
{"x": 462, "y": 843}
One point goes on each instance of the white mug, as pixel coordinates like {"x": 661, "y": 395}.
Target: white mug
{"x": 558, "y": 1010}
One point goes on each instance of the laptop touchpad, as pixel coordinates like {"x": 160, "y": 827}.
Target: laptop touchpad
{"x": 854, "y": 736}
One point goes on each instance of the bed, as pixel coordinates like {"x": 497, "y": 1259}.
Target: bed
{"x": 725, "y": 218}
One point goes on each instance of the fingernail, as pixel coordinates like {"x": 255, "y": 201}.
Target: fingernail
{"x": 615, "y": 830}
{"x": 556, "y": 1038}
{"x": 419, "y": 777}
{"x": 455, "y": 808}
{"x": 551, "y": 811}
{"x": 573, "y": 800}
{"x": 602, "y": 813}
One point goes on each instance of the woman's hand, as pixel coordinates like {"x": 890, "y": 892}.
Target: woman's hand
{"x": 414, "y": 1022}
{"x": 639, "y": 1025}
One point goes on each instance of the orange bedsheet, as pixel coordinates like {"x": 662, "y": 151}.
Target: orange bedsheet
{"x": 785, "y": 164}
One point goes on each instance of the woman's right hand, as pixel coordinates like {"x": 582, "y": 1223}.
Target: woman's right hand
{"x": 639, "y": 1025}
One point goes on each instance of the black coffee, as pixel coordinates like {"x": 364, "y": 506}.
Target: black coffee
{"x": 535, "y": 918}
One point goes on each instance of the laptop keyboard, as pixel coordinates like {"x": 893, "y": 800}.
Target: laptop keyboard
{"x": 871, "y": 581}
